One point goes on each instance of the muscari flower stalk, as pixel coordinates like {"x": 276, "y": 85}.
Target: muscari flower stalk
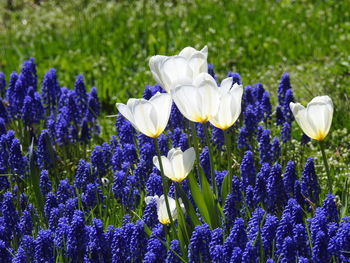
{"x": 250, "y": 119}
{"x": 286, "y": 132}
{"x": 155, "y": 248}
{"x": 10, "y": 216}
{"x": 301, "y": 240}
{"x": 236, "y": 238}
{"x": 2, "y": 126}
{"x": 279, "y": 115}
{"x": 44, "y": 247}
{"x": 253, "y": 228}
{"x": 236, "y": 78}
{"x": 242, "y": 140}
{"x": 2, "y": 85}
{"x": 331, "y": 208}
{"x": 171, "y": 256}
{"x": 138, "y": 242}
{"x": 26, "y": 224}
{"x": 265, "y": 147}
{"x": 29, "y": 72}
{"x": 266, "y": 105}
{"x": 233, "y": 203}
{"x": 247, "y": 169}
{"x": 284, "y": 229}
{"x": 125, "y": 130}
{"x": 83, "y": 175}
{"x": 283, "y": 86}
{"x": 64, "y": 191}
{"x": 5, "y": 254}
{"x": 77, "y": 237}
{"x": 289, "y": 178}
{"x": 309, "y": 183}
{"x": 50, "y": 90}
{"x": 154, "y": 184}
{"x": 97, "y": 248}
{"x": 150, "y": 216}
{"x": 94, "y": 105}
{"x": 268, "y": 233}
{"x": 91, "y": 196}
{"x": 275, "y": 188}
{"x": 250, "y": 253}
{"x": 17, "y": 162}
{"x": 199, "y": 244}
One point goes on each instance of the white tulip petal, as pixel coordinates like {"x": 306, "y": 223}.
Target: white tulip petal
{"x": 210, "y": 99}
{"x": 187, "y": 52}
{"x": 198, "y": 63}
{"x": 145, "y": 116}
{"x": 125, "y": 111}
{"x": 226, "y": 85}
{"x": 204, "y": 79}
{"x": 176, "y": 71}
{"x": 154, "y": 63}
{"x": 189, "y": 156}
{"x": 204, "y": 50}
{"x": 172, "y": 152}
{"x": 319, "y": 115}
{"x": 187, "y": 101}
{"x": 162, "y": 103}
{"x": 300, "y": 116}
{"x": 177, "y": 164}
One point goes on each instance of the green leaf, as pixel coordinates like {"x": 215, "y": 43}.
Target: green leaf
{"x": 226, "y": 186}
{"x": 188, "y": 205}
{"x": 198, "y": 198}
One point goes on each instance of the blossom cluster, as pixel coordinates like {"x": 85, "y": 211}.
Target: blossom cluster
{"x": 59, "y": 204}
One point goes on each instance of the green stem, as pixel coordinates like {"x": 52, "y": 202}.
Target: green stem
{"x": 164, "y": 183}
{"x": 227, "y": 137}
{"x": 206, "y": 134}
{"x": 329, "y": 181}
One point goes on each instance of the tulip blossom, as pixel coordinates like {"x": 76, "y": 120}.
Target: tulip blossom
{"x": 198, "y": 102}
{"x": 148, "y": 116}
{"x": 182, "y": 69}
{"x": 230, "y": 104}
{"x": 178, "y": 164}
{"x": 162, "y": 212}
{"x": 315, "y": 120}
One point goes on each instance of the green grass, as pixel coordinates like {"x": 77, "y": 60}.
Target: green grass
{"x": 110, "y": 42}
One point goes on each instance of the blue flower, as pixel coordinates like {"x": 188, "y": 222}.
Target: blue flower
{"x": 17, "y": 162}
{"x": 94, "y": 106}
{"x": 309, "y": 183}
{"x": 5, "y": 254}
{"x": 50, "y": 90}
{"x": 199, "y": 244}
{"x": 2, "y": 85}
{"x": 286, "y": 132}
{"x": 44, "y": 247}
{"x": 283, "y": 86}
{"x": 279, "y": 116}
{"x": 268, "y": 233}
{"x": 319, "y": 248}
{"x": 26, "y": 224}
{"x": 288, "y": 251}
{"x": 77, "y": 237}
{"x": 330, "y": 208}
{"x": 205, "y": 163}
{"x": 247, "y": 169}
{"x": 236, "y": 78}
{"x": 265, "y": 147}
{"x": 10, "y": 216}
{"x": 138, "y": 242}
{"x": 80, "y": 97}
{"x": 46, "y": 155}
{"x": 275, "y": 188}
{"x": 289, "y": 178}
{"x": 97, "y": 245}
{"x": 155, "y": 248}
{"x": 125, "y": 130}
{"x": 236, "y": 238}
{"x": 301, "y": 240}
{"x": 171, "y": 256}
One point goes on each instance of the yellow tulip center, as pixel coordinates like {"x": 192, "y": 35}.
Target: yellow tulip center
{"x": 320, "y": 135}
{"x": 164, "y": 221}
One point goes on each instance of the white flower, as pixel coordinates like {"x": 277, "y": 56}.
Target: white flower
{"x": 182, "y": 69}
{"x": 178, "y": 164}
{"x": 148, "y": 116}
{"x": 230, "y": 104}
{"x": 198, "y": 102}
{"x": 161, "y": 208}
{"x": 315, "y": 120}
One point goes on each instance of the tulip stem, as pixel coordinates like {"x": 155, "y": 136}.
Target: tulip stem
{"x": 164, "y": 183}
{"x": 227, "y": 137}
{"x": 329, "y": 181}
{"x": 210, "y": 150}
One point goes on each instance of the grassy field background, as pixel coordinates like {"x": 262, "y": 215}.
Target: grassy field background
{"x": 110, "y": 42}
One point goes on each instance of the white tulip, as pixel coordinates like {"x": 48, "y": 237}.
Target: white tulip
{"x": 178, "y": 164}
{"x": 230, "y": 104}
{"x": 315, "y": 120}
{"x": 182, "y": 69}
{"x": 148, "y": 116}
{"x": 198, "y": 102}
{"x": 162, "y": 212}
